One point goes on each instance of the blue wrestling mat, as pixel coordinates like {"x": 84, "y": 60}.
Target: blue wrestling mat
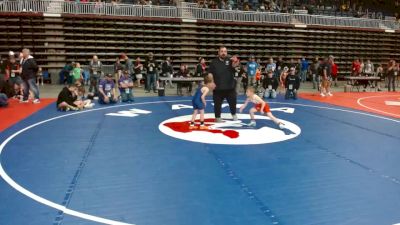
{"x": 140, "y": 164}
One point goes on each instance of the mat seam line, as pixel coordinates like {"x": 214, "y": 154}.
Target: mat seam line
{"x": 71, "y": 188}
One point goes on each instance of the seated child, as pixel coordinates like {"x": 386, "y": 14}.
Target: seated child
{"x": 68, "y": 99}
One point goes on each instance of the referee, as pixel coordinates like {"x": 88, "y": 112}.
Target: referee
{"x": 223, "y": 71}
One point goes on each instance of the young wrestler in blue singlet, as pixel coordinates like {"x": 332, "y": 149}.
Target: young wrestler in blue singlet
{"x": 199, "y": 102}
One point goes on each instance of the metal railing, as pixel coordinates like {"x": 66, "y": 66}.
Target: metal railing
{"x": 189, "y": 12}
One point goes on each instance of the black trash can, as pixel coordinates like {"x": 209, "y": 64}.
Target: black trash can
{"x": 161, "y": 92}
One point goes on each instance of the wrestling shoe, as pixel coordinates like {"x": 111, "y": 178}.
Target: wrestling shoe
{"x": 89, "y": 106}
{"x": 234, "y": 117}
{"x": 281, "y": 126}
{"x": 203, "y": 127}
{"x": 252, "y": 124}
{"x": 218, "y": 120}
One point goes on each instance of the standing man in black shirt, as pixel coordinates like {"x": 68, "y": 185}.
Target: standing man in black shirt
{"x": 151, "y": 78}
{"x": 223, "y": 71}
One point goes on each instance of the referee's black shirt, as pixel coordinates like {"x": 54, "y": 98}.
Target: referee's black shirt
{"x": 223, "y": 73}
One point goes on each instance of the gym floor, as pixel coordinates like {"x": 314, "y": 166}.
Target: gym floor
{"x": 335, "y": 163}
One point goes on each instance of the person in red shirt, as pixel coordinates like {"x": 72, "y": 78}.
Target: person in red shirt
{"x": 334, "y": 71}
{"x": 355, "y": 67}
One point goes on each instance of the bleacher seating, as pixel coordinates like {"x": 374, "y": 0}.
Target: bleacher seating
{"x": 57, "y": 40}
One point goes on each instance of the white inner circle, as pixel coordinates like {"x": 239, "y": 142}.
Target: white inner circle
{"x": 247, "y": 135}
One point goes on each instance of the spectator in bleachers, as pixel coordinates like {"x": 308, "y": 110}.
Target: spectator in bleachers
{"x": 167, "y": 70}
{"x": 126, "y": 87}
{"x": 95, "y": 67}
{"x": 251, "y": 68}
{"x": 201, "y": 68}
{"x": 107, "y": 93}
{"x": 230, "y": 5}
{"x": 138, "y": 67}
{"x": 392, "y": 72}
{"x": 315, "y": 75}
{"x": 98, "y": 5}
{"x": 223, "y": 5}
{"x": 28, "y": 73}
{"x": 151, "y": 78}
{"x": 262, "y": 8}
{"x": 304, "y": 67}
{"x": 115, "y": 2}
{"x": 202, "y": 4}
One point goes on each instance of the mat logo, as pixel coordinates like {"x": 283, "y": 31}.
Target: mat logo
{"x": 129, "y": 113}
{"x": 282, "y": 109}
{"x": 230, "y": 132}
{"x": 392, "y": 103}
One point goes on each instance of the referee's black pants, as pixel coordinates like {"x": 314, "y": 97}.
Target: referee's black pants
{"x": 219, "y": 96}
